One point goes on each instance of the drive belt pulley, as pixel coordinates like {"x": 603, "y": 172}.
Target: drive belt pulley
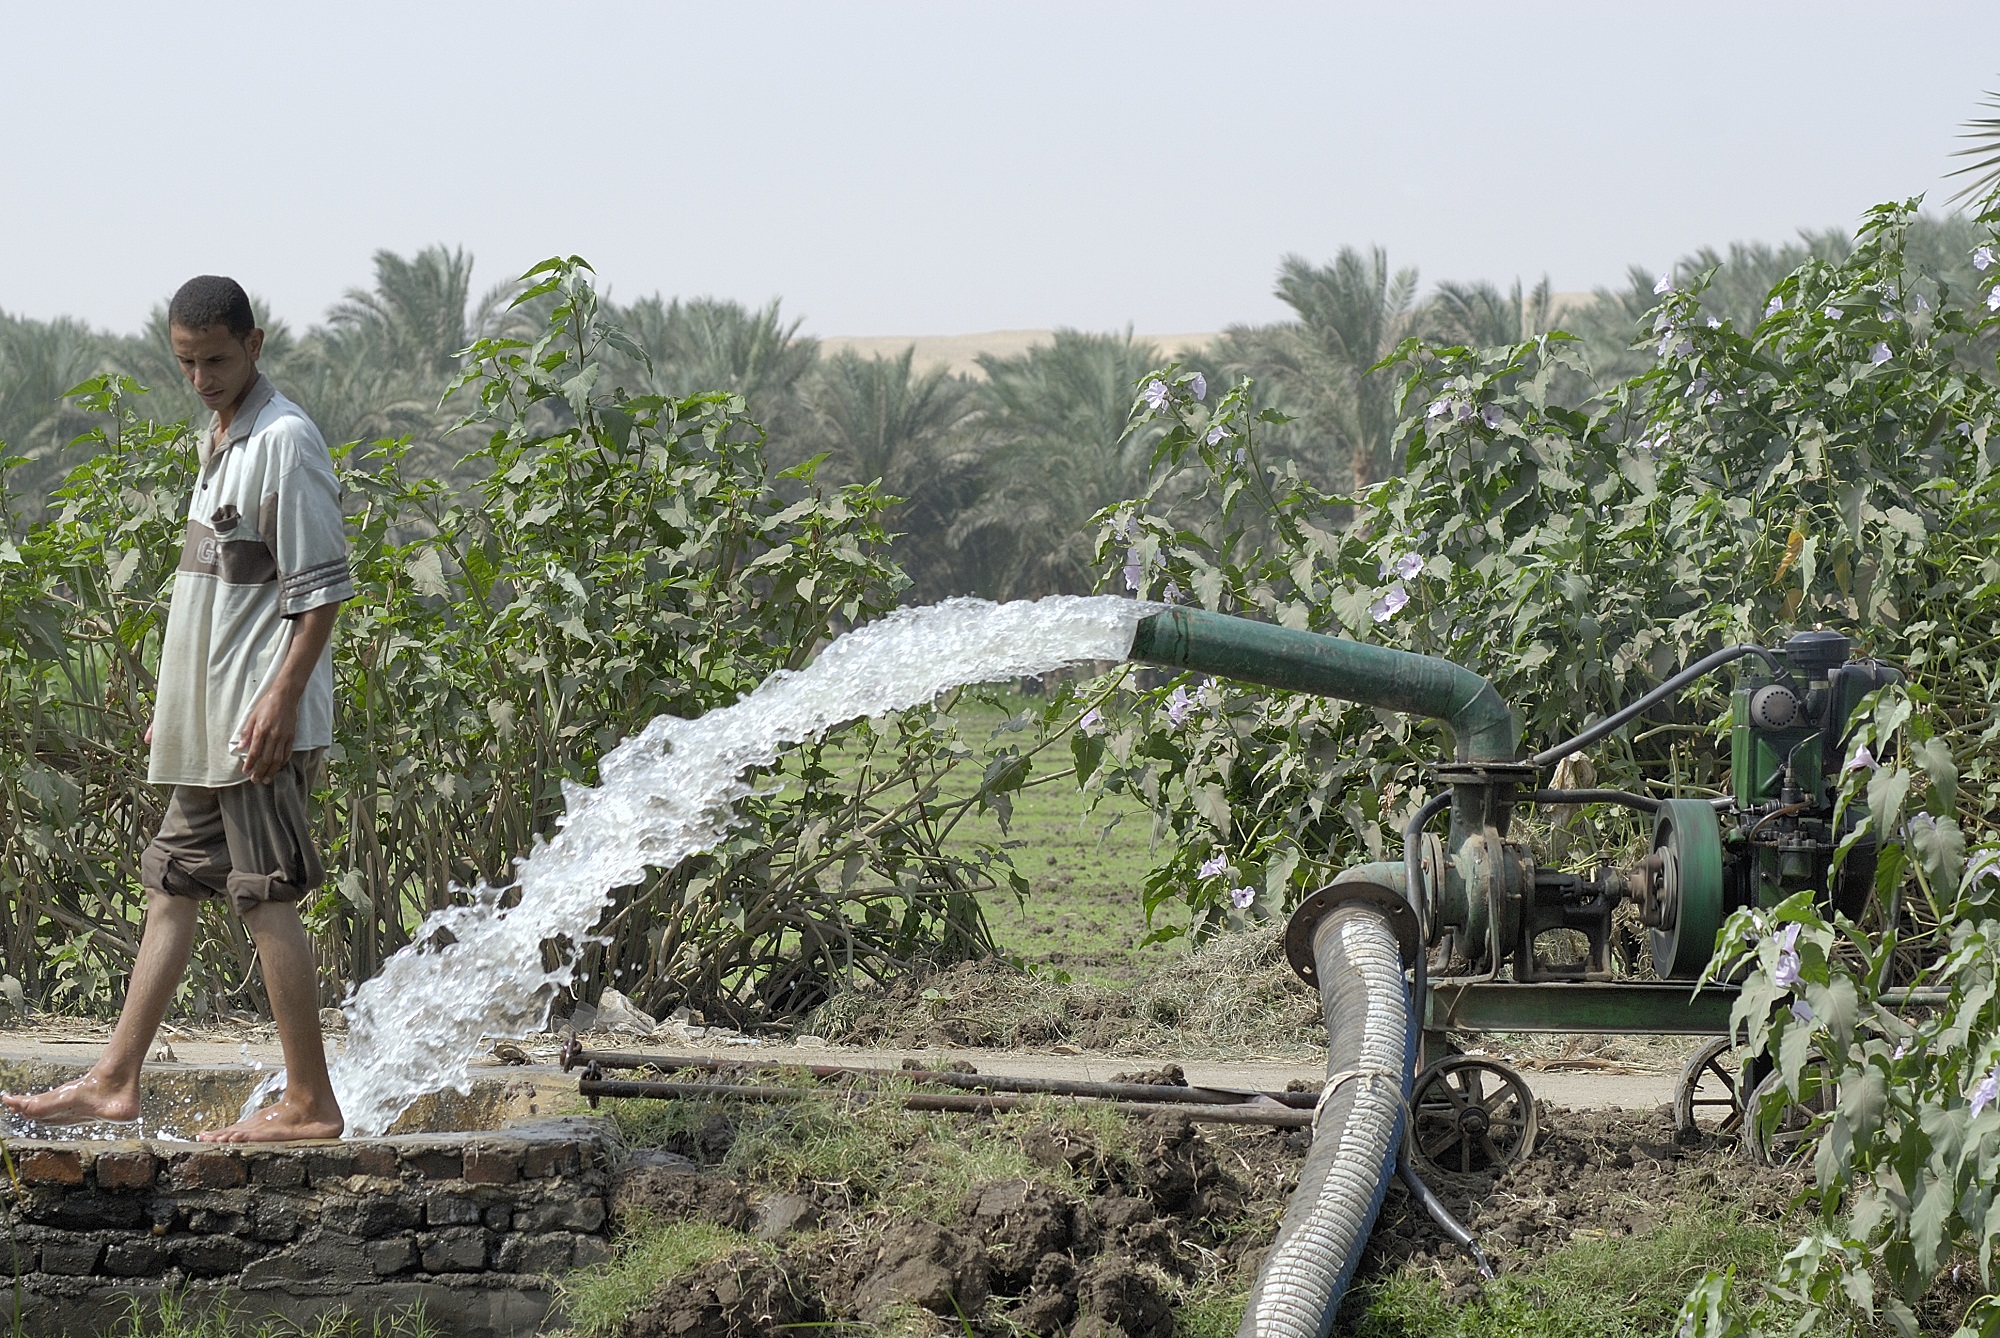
{"x": 1679, "y": 888}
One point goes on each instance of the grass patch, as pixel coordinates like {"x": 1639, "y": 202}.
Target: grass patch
{"x": 1216, "y": 1315}
{"x": 172, "y": 1316}
{"x": 1599, "y": 1288}
{"x": 872, "y": 1154}
{"x": 598, "y": 1299}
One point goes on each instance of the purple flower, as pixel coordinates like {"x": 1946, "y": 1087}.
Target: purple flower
{"x": 1993, "y": 299}
{"x": 1492, "y": 415}
{"x": 1462, "y": 410}
{"x": 1390, "y": 604}
{"x": 1665, "y": 285}
{"x": 1408, "y": 567}
{"x": 1777, "y": 305}
{"x": 1217, "y": 434}
{"x": 1179, "y": 707}
{"x": 1213, "y": 866}
{"x": 1643, "y": 444}
{"x": 1986, "y": 864}
{"x": 1438, "y": 408}
{"x": 1801, "y": 1011}
{"x": 1879, "y": 354}
{"x": 1833, "y": 313}
{"x": 1986, "y": 1091}
{"x": 1982, "y": 258}
{"x": 1091, "y": 722}
{"x": 1156, "y": 394}
{"x": 1242, "y": 897}
{"x": 1863, "y": 760}
{"x": 1240, "y": 453}
{"x": 1902, "y": 1048}
{"x": 1172, "y": 594}
{"x": 1135, "y": 569}
{"x": 1199, "y": 386}
{"x": 1787, "y": 974}
{"x": 1714, "y": 324}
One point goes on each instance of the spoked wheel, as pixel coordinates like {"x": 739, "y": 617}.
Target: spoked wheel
{"x": 1792, "y": 1138}
{"x": 1471, "y": 1115}
{"x": 1709, "y": 1097}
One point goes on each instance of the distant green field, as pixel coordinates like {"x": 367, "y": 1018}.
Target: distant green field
{"x": 1086, "y": 868}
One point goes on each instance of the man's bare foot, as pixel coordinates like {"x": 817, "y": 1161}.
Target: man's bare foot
{"x": 288, "y": 1120}
{"x": 86, "y": 1100}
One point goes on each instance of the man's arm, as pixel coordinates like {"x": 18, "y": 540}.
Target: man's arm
{"x": 274, "y": 720}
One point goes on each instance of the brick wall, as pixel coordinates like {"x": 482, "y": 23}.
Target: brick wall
{"x": 472, "y": 1225}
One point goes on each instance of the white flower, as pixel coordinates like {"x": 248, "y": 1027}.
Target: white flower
{"x": 1714, "y": 324}
{"x": 1787, "y": 973}
{"x": 1491, "y": 415}
{"x": 1216, "y": 434}
{"x": 1390, "y": 604}
{"x": 1993, "y": 299}
{"x": 1833, "y": 313}
{"x": 1889, "y": 290}
{"x": 1665, "y": 285}
{"x": 1879, "y": 354}
{"x": 1135, "y": 569}
{"x": 1199, "y": 386}
{"x": 1213, "y": 866}
{"x": 1989, "y": 1087}
{"x": 1714, "y": 397}
{"x": 1863, "y": 760}
{"x": 1242, "y": 897}
{"x": 1982, "y": 258}
{"x": 1408, "y": 567}
{"x": 1156, "y": 394}
{"x": 1777, "y": 305}
{"x": 1179, "y": 707}
{"x": 1902, "y": 1048}
{"x": 1240, "y": 453}
{"x": 1091, "y": 722}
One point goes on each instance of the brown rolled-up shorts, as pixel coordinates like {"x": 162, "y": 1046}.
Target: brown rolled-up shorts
{"x": 252, "y": 843}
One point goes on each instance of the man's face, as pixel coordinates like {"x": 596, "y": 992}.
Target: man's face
{"x": 217, "y": 364}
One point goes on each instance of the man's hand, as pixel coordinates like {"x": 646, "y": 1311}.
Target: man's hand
{"x": 273, "y": 722}
{"x": 267, "y": 733}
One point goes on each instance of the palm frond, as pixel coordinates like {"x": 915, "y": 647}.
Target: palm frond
{"x": 1984, "y": 132}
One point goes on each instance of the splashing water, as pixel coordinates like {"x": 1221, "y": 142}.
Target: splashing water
{"x": 666, "y": 793}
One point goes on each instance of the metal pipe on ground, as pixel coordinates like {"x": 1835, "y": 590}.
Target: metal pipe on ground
{"x": 1272, "y": 1116}
{"x": 1154, "y": 1093}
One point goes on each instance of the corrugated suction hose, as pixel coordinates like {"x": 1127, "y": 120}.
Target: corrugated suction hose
{"x": 1357, "y": 1128}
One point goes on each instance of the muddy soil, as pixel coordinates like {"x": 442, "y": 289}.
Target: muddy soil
{"x": 1187, "y": 1211}
{"x": 1103, "y": 1247}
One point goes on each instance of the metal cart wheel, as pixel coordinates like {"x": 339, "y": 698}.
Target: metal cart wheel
{"x": 1471, "y": 1115}
{"x": 1709, "y": 1097}
{"x": 1792, "y": 1138}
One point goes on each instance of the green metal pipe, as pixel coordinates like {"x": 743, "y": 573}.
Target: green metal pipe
{"x": 1278, "y": 657}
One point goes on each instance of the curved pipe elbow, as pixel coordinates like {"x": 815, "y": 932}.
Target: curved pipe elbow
{"x": 1281, "y": 657}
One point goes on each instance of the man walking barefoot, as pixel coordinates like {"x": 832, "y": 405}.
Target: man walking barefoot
{"x": 242, "y": 724}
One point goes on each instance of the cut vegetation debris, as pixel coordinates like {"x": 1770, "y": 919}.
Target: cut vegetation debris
{"x": 1232, "y": 997}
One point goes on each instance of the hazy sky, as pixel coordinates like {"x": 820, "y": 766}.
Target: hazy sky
{"x": 944, "y": 168}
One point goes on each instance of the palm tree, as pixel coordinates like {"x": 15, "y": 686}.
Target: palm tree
{"x": 39, "y": 360}
{"x": 1478, "y": 315}
{"x": 1351, "y": 314}
{"x": 1053, "y": 451}
{"x": 881, "y": 418}
{"x": 707, "y": 343}
{"x": 1984, "y": 132}
{"x": 415, "y": 316}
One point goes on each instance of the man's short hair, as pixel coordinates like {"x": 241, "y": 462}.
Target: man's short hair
{"x": 210, "y": 299}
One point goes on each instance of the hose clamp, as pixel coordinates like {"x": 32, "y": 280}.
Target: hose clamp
{"x": 1305, "y": 920}
{"x": 1336, "y": 1081}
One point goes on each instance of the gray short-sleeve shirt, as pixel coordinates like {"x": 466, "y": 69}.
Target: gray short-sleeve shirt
{"x": 265, "y": 542}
